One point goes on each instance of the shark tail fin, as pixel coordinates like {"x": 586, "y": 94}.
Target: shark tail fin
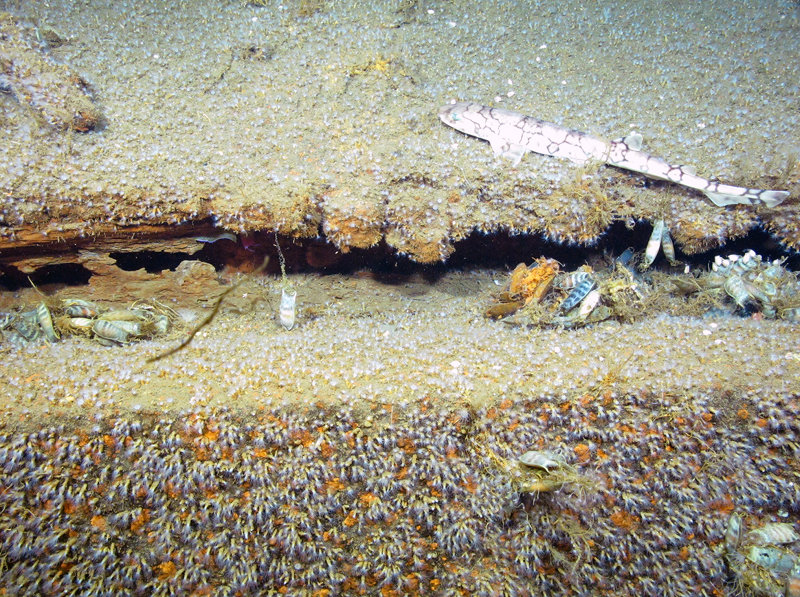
{"x": 773, "y": 198}
{"x": 751, "y": 197}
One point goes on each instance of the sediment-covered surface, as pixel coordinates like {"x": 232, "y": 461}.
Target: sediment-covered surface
{"x": 309, "y": 118}
{"x": 391, "y": 340}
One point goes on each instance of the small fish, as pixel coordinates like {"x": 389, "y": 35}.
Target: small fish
{"x": 744, "y": 294}
{"x": 46, "y": 322}
{"x": 80, "y": 311}
{"x": 774, "y": 533}
{"x": 668, "y": 247}
{"x": 776, "y": 559}
{"x": 654, "y": 244}
{"x": 579, "y": 292}
{"x": 793, "y": 585}
{"x": 212, "y": 239}
{"x": 511, "y": 134}
{"x": 110, "y": 331}
{"x": 541, "y": 459}
{"x": 27, "y": 325}
{"x": 733, "y": 532}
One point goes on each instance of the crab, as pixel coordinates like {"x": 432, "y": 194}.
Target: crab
{"x": 526, "y": 285}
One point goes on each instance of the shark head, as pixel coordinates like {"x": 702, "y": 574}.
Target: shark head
{"x": 461, "y": 116}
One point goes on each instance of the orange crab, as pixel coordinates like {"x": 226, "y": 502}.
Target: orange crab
{"x": 525, "y": 286}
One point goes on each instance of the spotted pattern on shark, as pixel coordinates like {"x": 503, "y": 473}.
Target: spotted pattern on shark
{"x": 511, "y": 134}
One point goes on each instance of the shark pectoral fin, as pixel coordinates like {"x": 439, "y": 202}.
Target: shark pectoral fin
{"x": 511, "y": 151}
{"x": 721, "y": 199}
{"x": 633, "y": 141}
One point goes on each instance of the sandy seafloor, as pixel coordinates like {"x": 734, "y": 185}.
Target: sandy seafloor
{"x": 362, "y": 452}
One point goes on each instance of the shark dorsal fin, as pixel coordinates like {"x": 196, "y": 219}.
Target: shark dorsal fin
{"x": 633, "y": 141}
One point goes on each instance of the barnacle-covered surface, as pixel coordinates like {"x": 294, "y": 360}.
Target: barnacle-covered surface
{"x": 274, "y": 116}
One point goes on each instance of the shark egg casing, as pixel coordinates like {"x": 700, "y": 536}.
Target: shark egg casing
{"x": 287, "y": 310}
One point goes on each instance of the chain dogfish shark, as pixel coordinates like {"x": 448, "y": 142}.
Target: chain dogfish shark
{"x": 511, "y": 134}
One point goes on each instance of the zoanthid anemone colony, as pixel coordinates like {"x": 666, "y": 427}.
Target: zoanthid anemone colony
{"x": 596, "y": 494}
